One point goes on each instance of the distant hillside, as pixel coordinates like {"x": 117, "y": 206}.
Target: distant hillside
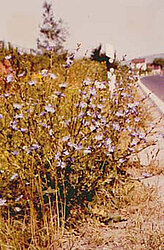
{"x": 149, "y": 59}
{"x": 152, "y": 57}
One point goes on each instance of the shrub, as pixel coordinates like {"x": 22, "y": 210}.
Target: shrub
{"x": 62, "y": 137}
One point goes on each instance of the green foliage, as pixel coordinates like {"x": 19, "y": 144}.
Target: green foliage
{"x": 97, "y": 55}
{"x": 30, "y": 63}
{"x": 159, "y": 62}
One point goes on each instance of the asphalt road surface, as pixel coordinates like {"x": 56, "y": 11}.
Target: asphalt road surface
{"x": 155, "y": 84}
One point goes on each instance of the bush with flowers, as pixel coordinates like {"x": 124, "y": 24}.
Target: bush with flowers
{"x": 63, "y": 136}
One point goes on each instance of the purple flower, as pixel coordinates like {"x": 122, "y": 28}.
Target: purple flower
{"x": 123, "y": 94}
{"x": 71, "y": 144}
{"x": 133, "y": 105}
{"x": 121, "y": 89}
{"x": 116, "y": 126}
{"x": 17, "y": 209}
{"x": 87, "y": 151}
{"x": 57, "y": 156}
{"x": 86, "y": 82}
{"x": 61, "y": 164}
{"x": 44, "y": 125}
{"x": 121, "y": 160}
{"x": 83, "y": 105}
{"x": 131, "y": 149}
{"x": 99, "y": 116}
{"x": 88, "y": 113}
{"x": 35, "y": 146}
{"x": 97, "y": 124}
{"x": 14, "y": 176}
{"x": 15, "y": 152}
{"x": 63, "y": 85}
{"x": 78, "y": 147}
{"x": 68, "y": 122}
{"x": 51, "y": 132}
{"x": 52, "y": 76}
{"x": 18, "y": 116}
{"x": 136, "y": 119}
{"x": 66, "y": 152}
{"x": 17, "y": 106}
{"x": 92, "y": 105}
{"x": 129, "y": 128}
{"x": 110, "y": 150}
{"x": 100, "y": 106}
{"x": 92, "y": 128}
{"x": 32, "y": 83}
{"x": 108, "y": 141}
{"x": 42, "y": 113}
{"x": 13, "y": 125}
{"x": 9, "y": 78}
{"x": 99, "y": 137}
{"x": 8, "y": 57}
{"x": 1, "y": 116}
{"x": 81, "y": 114}
{"x": 19, "y": 198}
{"x": 23, "y": 130}
{"x": 59, "y": 94}
{"x": 69, "y": 61}
{"x": 2, "y": 202}
{"x": 119, "y": 114}
{"x": 100, "y": 85}
{"x": 44, "y": 72}
{"x": 92, "y": 92}
{"x": 28, "y": 150}
{"x": 49, "y": 108}
{"x": 146, "y": 175}
{"x": 134, "y": 142}
{"x": 22, "y": 74}
{"x": 65, "y": 138}
{"x": 141, "y": 136}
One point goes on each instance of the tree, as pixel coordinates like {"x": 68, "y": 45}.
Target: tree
{"x": 52, "y": 34}
{"x": 159, "y": 62}
{"x": 97, "y": 55}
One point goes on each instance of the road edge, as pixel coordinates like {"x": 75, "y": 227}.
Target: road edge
{"x": 159, "y": 103}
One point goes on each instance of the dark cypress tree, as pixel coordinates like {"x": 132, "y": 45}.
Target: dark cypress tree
{"x": 97, "y": 55}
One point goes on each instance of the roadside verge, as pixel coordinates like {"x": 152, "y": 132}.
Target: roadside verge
{"x": 157, "y": 110}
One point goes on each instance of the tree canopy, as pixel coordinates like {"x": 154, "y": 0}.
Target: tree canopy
{"x": 99, "y": 56}
{"x": 159, "y": 62}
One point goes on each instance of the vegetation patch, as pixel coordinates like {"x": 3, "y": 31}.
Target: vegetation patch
{"x": 66, "y": 144}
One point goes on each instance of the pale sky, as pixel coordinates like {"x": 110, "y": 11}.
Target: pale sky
{"x": 133, "y": 27}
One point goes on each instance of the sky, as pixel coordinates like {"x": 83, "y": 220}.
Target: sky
{"x": 133, "y": 27}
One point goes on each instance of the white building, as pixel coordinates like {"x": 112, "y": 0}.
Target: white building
{"x": 138, "y": 64}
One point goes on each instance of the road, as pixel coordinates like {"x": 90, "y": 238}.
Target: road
{"x": 155, "y": 84}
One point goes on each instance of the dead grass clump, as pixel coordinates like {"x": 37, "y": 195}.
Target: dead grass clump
{"x": 137, "y": 223}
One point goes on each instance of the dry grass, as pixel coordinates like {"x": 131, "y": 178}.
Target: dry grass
{"x": 134, "y": 220}
{"x": 137, "y": 224}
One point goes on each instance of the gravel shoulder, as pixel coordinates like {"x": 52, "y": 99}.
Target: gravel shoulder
{"x": 154, "y": 154}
